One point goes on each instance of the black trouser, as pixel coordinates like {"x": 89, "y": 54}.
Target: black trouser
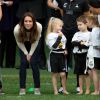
{"x": 35, "y": 69}
{"x": 8, "y": 48}
{"x": 41, "y": 44}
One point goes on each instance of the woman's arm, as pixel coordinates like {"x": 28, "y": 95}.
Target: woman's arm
{"x": 0, "y": 11}
{"x": 34, "y": 45}
{"x": 20, "y": 45}
{"x": 51, "y": 5}
{"x": 54, "y": 6}
{"x": 94, "y": 10}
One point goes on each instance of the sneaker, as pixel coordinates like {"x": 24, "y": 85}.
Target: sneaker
{"x": 60, "y": 90}
{"x": 22, "y": 92}
{"x": 1, "y": 92}
{"x": 37, "y": 92}
{"x": 78, "y": 89}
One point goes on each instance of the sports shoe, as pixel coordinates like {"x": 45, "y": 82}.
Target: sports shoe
{"x": 22, "y": 92}
{"x": 78, "y": 89}
{"x": 37, "y": 92}
{"x": 60, "y": 90}
{"x": 1, "y": 92}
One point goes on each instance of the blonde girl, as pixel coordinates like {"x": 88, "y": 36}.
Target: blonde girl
{"x": 56, "y": 42}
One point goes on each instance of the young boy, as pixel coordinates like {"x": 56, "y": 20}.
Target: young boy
{"x": 80, "y": 41}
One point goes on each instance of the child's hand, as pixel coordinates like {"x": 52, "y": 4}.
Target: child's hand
{"x": 60, "y": 33}
{"x": 60, "y": 45}
{"x": 82, "y": 42}
{"x": 65, "y": 52}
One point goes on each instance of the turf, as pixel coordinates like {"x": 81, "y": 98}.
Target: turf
{"x": 11, "y": 87}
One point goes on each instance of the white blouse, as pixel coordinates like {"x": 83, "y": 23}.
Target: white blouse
{"x": 33, "y": 45}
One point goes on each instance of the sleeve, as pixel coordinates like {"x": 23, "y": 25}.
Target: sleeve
{"x": 75, "y": 37}
{"x": 20, "y": 45}
{"x": 49, "y": 41}
{"x": 55, "y": 45}
{"x": 75, "y": 43}
{"x": 34, "y": 45}
{"x": 84, "y": 47}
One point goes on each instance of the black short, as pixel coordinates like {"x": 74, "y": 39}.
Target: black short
{"x": 57, "y": 62}
{"x": 97, "y": 63}
{"x": 80, "y": 63}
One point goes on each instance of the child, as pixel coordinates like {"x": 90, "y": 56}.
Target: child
{"x": 94, "y": 51}
{"x": 56, "y": 42}
{"x": 79, "y": 41}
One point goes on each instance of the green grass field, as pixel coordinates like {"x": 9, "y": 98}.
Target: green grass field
{"x": 11, "y": 87}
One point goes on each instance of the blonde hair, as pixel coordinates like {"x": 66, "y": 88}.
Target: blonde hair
{"x": 51, "y": 24}
{"x": 94, "y": 19}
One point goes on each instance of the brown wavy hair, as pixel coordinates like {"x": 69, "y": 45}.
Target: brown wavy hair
{"x": 33, "y": 31}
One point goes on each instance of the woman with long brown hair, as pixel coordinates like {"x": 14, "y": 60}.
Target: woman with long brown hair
{"x": 27, "y": 34}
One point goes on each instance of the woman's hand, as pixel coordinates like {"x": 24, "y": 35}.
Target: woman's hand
{"x": 28, "y": 57}
{"x": 8, "y": 3}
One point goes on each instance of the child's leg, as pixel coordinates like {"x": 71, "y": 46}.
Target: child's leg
{"x": 78, "y": 88}
{"x": 87, "y": 79}
{"x": 99, "y": 86}
{"x": 61, "y": 88}
{"x": 54, "y": 81}
{"x": 63, "y": 81}
{"x": 81, "y": 83}
{"x": 95, "y": 81}
{"x": 99, "y": 80}
{"x": 66, "y": 74}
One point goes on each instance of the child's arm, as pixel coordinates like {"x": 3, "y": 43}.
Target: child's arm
{"x": 83, "y": 46}
{"x": 75, "y": 43}
{"x": 80, "y": 45}
{"x": 58, "y": 41}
